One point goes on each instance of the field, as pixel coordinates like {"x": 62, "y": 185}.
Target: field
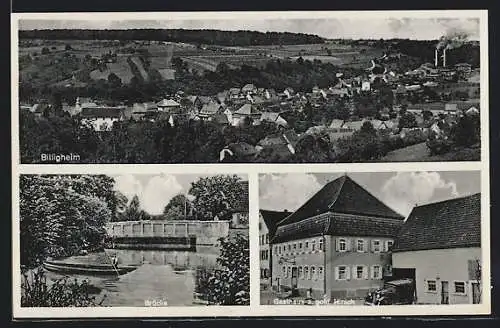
{"x": 121, "y": 68}
{"x": 58, "y": 67}
{"x": 420, "y": 153}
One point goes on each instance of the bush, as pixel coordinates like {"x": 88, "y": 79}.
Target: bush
{"x": 229, "y": 284}
{"x": 36, "y": 292}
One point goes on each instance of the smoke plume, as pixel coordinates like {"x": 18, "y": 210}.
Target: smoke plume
{"x": 455, "y": 38}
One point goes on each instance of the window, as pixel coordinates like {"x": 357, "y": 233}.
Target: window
{"x": 313, "y": 245}
{"x": 300, "y": 245}
{"x": 294, "y": 246}
{"x": 321, "y": 244}
{"x": 320, "y": 273}
{"x": 267, "y": 238}
{"x": 376, "y": 274}
{"x": 307, "y": 245}
{"x": 360, "y": 272}
{"x": 301, "y": 272}
{"x": 313, "y": 273}
{"x": 342, "y": 272}
{"x": 306, "y": 272}
{"x": 289, "y": 272}
{"x": 360, "y": 246}
{"x": 283, "y": 271}
{"x": 459, "y": 287}
{"x": 431, "y": 286}
{"x": 260, "y": 226}
{"x": 389, "y": 245}
{"x": 279, "y": 249}
{"x": 376, "y": 246}
{"x": 289, "y": 247}
{"x": 342, "y": 245}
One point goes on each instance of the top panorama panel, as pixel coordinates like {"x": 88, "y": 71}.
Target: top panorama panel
{"x": 329, "y": 90}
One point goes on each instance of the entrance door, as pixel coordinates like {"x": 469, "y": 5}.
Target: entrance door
{"x": 445, "y": 296}
{"x": 476, "y": 293}
{"x": 294, "y": 279}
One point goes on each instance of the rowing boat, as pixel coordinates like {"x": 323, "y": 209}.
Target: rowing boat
{"x": 87, "y": 268}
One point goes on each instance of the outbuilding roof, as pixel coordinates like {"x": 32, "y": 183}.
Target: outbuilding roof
{"x": 448, "y": 224}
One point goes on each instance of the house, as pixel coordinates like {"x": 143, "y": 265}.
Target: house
{"x": 249, "y": 89}
{"x": 274, "y": 118}
{"x": 168, "y": 105}
{"x": 336, "y": 124}
{"x": 267, "y": 227}
{"x": 234, "y": 93}
{"x": 101, "y": 118}
{"x": 472, "y": 111}
{"x": 237, "y": 152}
{"x": 439, "y": 246}
{"x": 353, "y": 125}
{"x": 246, "y": 111}
{"x": 283, "y": 144}
{"x": 365, "y": 86}
{"x": 336, "y": 244}
{"x": 451, "y": 109}
{"x": 40, "y": 109}
{"x": 209, "y": 110}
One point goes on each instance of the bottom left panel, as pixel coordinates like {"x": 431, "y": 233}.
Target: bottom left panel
{"x": 133, "y": 240}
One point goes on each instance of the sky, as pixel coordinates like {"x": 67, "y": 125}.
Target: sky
{"x": 156, "y": 190}
{"x": 401, "y": 191}
{"x": 355, "y": 28}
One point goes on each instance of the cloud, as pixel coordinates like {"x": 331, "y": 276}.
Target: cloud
{"x": 128, "y": 185}
{"x": 154, "y": 195}
{"x": 405, "y": 189}
{"x": 286, "y": 191}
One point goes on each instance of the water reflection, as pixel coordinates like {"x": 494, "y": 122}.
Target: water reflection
{"x": 166, "y": 276}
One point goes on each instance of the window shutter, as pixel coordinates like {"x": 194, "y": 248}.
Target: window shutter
{"x": 365, "y": 245}
{"x": 372, "y": 272}
{"x": 372, "y": 246}
{"x": 348, "y": 272}
{"x": 347, "y": 244}
{"x": 336, "y": 273}
{"x": 365, "y": 272}
{"x": 354, "y": 272}
{"x": 337, "y": 244}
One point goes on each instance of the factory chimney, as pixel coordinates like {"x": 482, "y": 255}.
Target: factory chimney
{"x": 436, "y": 58}
{"x": 444, "y": 57}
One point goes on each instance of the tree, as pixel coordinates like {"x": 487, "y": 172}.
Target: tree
{"x": 407, "y": 120}
{"x": 114, "y": 80}
{"x": 133, "y": 211}
{"x": 68, "y": 47}
{"x": 427, "y": 115}
{"x": 45, "y": 51}
{"x": 229, "y": 285}
{"x": 58, "y": 218}
{"x": 178, "y": 208}
{"x": 215, "y": 195}
{"x": 467, "y": 131}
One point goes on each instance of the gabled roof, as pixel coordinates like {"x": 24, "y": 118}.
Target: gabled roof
{"x": 247, "y": 109}
{"x": 248, "y": 87}
{"x": 339, "y": 224}
{"x": 271, "y": 219}
{"x": 336, "y": 124}
{"x": 342, "y": 195}
{"x": 448, "y": 224}
{"x": 168, "y": 103}
{"x": 210, "y": 109}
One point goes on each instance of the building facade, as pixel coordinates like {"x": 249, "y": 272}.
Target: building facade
{"x": 439, "y": 246}
{"x": 337, "y": 244}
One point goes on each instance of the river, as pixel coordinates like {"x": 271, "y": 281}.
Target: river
{"x": 163, "y": 276}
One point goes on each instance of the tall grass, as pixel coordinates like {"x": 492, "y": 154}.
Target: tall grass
{"x": 63, "y": 292}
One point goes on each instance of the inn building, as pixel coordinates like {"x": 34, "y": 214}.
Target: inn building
{"x": 337, "y": 244}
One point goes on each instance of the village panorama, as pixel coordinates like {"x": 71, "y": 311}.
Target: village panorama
{"x": 211, "y": 96}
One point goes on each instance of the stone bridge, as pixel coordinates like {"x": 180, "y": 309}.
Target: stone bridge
{"x": 178, "y": 234}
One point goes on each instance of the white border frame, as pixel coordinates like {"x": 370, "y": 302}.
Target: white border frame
{"x": 255, "y": 309}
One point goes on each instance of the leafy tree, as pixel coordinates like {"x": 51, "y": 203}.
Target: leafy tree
{"x": 133, "y": 211}
{"x": 230, "y": 283}
{"x": 407, "y": 120}
{"x": 49, "y": 227}
{"x": 45, "y": 51}
{"x": 215, "y": 195}
{"x": 178, "y": 208}
{"x": 68, "y": 47}
{"x": 467, "y": 131}
{"x": 114, "y": 81}
{"x": 427, "y": 115}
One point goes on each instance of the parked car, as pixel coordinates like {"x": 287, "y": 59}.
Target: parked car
{"x": 394, "y": 292}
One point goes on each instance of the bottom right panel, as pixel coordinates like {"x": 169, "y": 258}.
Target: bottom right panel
{"x": 370, "y": 238}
